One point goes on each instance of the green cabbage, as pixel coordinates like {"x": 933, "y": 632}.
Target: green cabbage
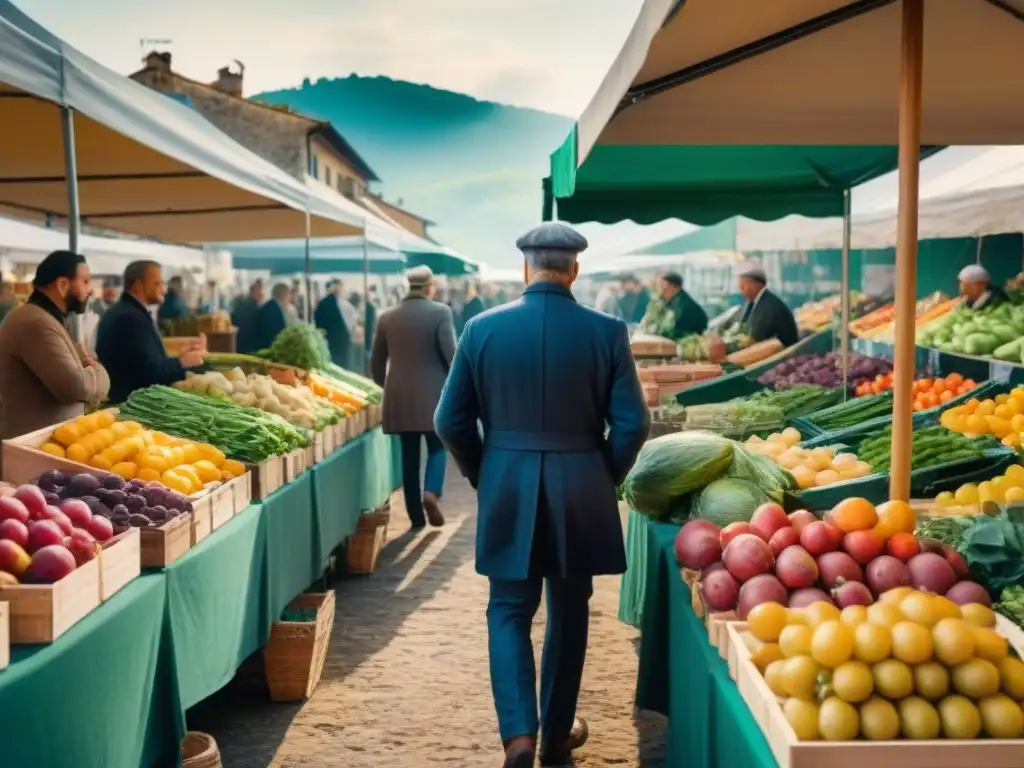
{"x": 672, "y": 466}
{"x": 761, "y": 471}
{"x": 729, "y": 500}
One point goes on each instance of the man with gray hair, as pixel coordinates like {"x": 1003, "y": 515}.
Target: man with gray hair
{"x": 555, "y": 387}
{"x": 977, "y": 290}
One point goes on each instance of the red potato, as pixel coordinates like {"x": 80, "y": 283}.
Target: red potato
{"x": 931, "y": 573}
{"x": 964, "y": 592}
{"x": 14, "y": 530}
{"x": 885, "y": 573}
{"x": 795, "y": 568}
{"x": 77, "y": 511}
{"x": 852, "y": 593}
{"x": 748, "y": 556}
{"x": 697, "y": 545}
{"x": 731, "y": 531}
{"x": 838, "y": 567}
{"x": 819, "y": 537}
{"x": 783, "y": 538}
{"x": 32, "y": 497}
{"x": 763, "y": 588}
{"x": 43, "y": 533}
{"x": 801, "y": 598}
{"x": 801, "y": 519}
{"x": 102, "y": 529}
{"x": 12, "y": 508}
{"x": 767, "y": 519}
{"x": 49, "y": 565}
{"x": 864, "y": 546}
{"x": 720, "y": 590}
{"x": 83, "y": 547}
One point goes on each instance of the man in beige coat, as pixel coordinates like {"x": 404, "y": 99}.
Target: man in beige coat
{"x": 45, "y": 378}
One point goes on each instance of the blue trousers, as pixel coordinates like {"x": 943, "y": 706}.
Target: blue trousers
{"x": 433, "y": 480}
{"x": 510, "y": 613}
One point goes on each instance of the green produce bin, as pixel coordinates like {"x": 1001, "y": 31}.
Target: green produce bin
{"x": 808, "y": 429}
{"x": 996, "y": 463}
{"x": 744, "y": 382}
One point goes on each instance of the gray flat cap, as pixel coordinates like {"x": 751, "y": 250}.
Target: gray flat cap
{"x": 755, "y": 273}
{"x": 420, "y": 277}
{"x": 974, "y": 273}
{"x": 552, "y": 236}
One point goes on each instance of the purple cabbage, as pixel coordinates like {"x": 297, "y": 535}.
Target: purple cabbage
{"x": 823, "y": 370}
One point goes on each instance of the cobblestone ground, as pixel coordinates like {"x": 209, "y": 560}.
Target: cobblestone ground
{"x": 406, "y": 679}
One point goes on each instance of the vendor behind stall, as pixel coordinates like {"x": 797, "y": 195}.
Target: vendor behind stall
{"x": 765, "y": 315}
{"x": 128, "y": 343}
{"x": 977, "y": 289}
{"x": 687, "y": 315}
{"x": 44, "y": 377}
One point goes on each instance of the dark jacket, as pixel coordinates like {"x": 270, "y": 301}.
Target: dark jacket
{"x": 173, "y": 308}
{"x": 633, "y": 306}
{"x": 129, "y": 347}
{"x": 544, "y": 376}
{"x": 270, "y": 322}
{"x": 471, "y": 309}
{"x": 770, "y": 318}
{"x": 689, "y": 316}
{"x": 996, "y": 296}
{"x": 328, "y": 318}
{"x": 246, "y": 318}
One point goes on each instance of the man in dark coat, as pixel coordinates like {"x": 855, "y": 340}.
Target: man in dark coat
{"x": 276, "y": 315}
{"x": 474, "y": 305}
{"x": 688, "y": 316}
{"x": 544, "y": 376}
{"x": 245, "y": 317}
{"x": 328, "y": 318}
{"x": 765, "y": 315}
{"x": 634, "y": 300}
{"x": 128, "y": 344}
{"x": 977, "y": 289}
{"x": 173, "y": 306}
{"x": 412, "y": 352}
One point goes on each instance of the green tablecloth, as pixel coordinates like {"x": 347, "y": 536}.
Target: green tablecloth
{"x": 634, "y": 580}
{"x": 113, "y": 691}
{"x": 682, "y": 676}
{"x": 100, "y": 695}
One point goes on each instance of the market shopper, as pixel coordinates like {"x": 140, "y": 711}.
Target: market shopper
{"x": 634, "y": 300}
{"x": 245, "y": 316}
{"x": 44, "y": 378}
{"x": 412, "y": 352}
{"x": 173, "y": 307}
{"x": 765, "y": 315}
{"x": 275, "y": 315}
{"x": 473, "y": 305}
{"x": 687, "y": 315}
{"x": 977, "y": 289}
{"x": 328, "y": 318}
{"x": 544, "y": 375}
{"x": 128, "y": 343}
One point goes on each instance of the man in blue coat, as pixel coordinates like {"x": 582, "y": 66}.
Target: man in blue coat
{"x": 554, "y": 385}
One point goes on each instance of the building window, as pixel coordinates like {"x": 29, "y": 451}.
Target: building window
{"x": 327, "y": 175}
{"x": 341, "y": 183}
{"x": 314, "y": 167}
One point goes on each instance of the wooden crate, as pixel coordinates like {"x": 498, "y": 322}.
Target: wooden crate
{"x": 227, "y": 500}
{"x": 201, "y": 525}
{"x": 5, "y": 635}
{"x": 329, "y": 440}
{"x": 294, "y": 464}
{"x": 40, "y": 613}
{"x": 241, "y": 492}
{"x": 791, "y": 753}
{"x": 161, "y": 546}
{"x": 266, "y": 477}
{"x": 120, "y": 562}
{"x": 23, "y": 462}
{"x": 340, "y": 433}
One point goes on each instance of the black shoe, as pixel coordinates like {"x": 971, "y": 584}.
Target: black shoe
{"x": 520, "y": 753}
{"x": 560, "y": 753}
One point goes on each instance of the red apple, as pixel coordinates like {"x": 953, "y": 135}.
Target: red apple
{"x": 78, "y": 512}
{"x": 62, "y": 522}
{"x": 32, "y": 497}
{"x": 83, "y": 546}
{"x": 14, "y": 530}
{"x": 783, "y": 538}
{"x": 731, "y": 531}
{"x": 801, "y": 519}
{"x": 100, "y": 528}
{"x": 49, "y": 565}
{"x": 43, "y": 533}
{"x": 11, "y": 508}
{"x": 13, "y": 559}
{"x": 819, "y": 537}
{"x": 767, "y": 519}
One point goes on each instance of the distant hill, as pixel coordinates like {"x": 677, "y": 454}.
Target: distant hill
{"x": 474, "y": 167}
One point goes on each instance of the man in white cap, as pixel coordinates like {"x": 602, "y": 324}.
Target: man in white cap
{"x": 544, "y": 375}
{"x": 412, "y": 352}
{"x": 977, "y": 289}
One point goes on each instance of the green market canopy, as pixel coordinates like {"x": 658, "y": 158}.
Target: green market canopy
{"x": 328, "y": 255}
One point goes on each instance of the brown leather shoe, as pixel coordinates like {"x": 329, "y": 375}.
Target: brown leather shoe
{"x": 561, "y": 753}
{"x": 520, "y": 752}
{"x": 432, "y": 509}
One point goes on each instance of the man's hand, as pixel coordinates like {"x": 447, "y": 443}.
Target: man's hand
{"x": 87, "y": 359}
{"x": 191, "y": 358}
{"x": 199, "y": 344}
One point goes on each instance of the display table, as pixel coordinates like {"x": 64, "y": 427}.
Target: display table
{"x": 682, "y": 676}
{"x": 634, "y": 580}
{"x": 113, "y": 690}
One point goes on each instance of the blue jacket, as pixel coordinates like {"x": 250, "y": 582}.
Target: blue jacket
{"x": 128, "y": 345}
{"x": 545, "y": 376}
{"x": 269, "y": 322}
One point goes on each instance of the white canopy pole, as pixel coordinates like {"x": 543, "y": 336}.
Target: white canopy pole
{"x": 67, "y": 124}
{"x": 844, "y": 311}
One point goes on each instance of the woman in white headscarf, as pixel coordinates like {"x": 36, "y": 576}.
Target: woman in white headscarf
{"x": 977, "y": 290}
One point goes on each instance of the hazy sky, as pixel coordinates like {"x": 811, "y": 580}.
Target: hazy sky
{"x": 548, "y": 54}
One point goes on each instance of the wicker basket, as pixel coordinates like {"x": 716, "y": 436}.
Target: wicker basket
{"x": 379, "y": 518}
{"x": 364, "y": 548}
{"x": 199, "y": 750}
{"x": 294, "y": 656}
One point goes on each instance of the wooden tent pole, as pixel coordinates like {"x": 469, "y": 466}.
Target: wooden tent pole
{"x": 911, "y": 56}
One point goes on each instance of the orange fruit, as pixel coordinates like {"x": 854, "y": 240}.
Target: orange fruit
{"x": 895, "y": 517}
{"x": 854, "y": 514}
